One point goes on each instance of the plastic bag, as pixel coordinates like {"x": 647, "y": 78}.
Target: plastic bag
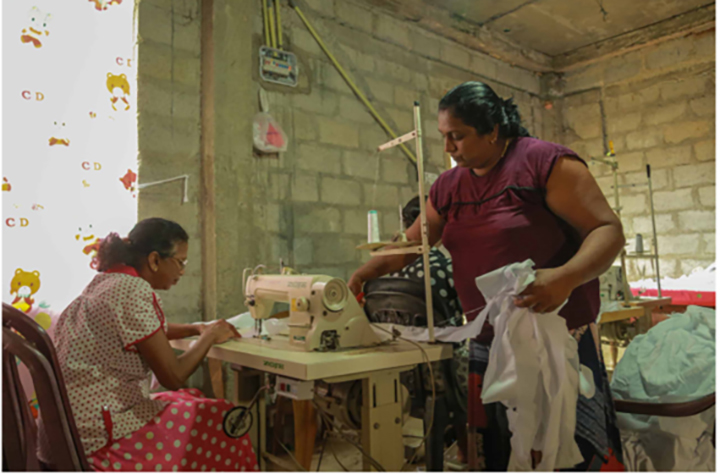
{"x": 268, "y": 136}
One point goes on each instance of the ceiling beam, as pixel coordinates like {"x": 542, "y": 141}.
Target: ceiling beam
{"x": 700, "y": 19}
{"x": 466, "y": 33}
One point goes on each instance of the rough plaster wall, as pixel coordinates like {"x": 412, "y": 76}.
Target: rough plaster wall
{"x": 169, "y": 131}
{"x": 319, "y": 191}
{"x": 659, "y": 107}
{"x": 309, "y": 205}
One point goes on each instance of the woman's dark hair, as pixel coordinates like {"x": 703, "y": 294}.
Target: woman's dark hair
{"x": 411, "y": 211}
{"x": 149, "y": 235}
{"x": 478, "y": 106}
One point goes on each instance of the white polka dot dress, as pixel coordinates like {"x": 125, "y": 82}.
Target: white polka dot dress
{"x": 121, "y": 425}
{"x": 95, "y": 341}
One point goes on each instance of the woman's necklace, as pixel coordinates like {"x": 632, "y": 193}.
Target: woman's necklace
{"x": 507, "y": 144}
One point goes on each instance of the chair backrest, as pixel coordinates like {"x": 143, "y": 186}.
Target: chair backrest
{"x": 680, "y": 409}
{"x": 402, "y": 301}
{"x": 25, "y": 339}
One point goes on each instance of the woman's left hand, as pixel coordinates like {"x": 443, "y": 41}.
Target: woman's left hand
{"x": 550, "y": 289}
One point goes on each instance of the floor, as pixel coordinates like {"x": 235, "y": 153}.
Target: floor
{"x": 340, "y": 455}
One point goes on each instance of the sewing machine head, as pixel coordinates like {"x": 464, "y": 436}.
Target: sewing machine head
{"x": 324, "y": 315}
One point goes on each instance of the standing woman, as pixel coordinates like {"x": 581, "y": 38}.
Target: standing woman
{"x": 109, "y": 342}
{"x": 511, "y": 198}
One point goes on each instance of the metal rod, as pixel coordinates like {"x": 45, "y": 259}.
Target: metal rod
{"x": 392, "y": 143}
{"x": 623, "y": 263}
{"x": 424, "y": 224}
{"x": 350, "y": 83}
{"x": 652, "y": 216}
{"x": 163, "y": 181}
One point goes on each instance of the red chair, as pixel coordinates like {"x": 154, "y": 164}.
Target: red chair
{"x": 25, "y": 339}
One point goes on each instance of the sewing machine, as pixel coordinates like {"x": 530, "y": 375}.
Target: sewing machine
{"x": 324, "y": 316}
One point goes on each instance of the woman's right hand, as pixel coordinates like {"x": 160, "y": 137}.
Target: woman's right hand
{"x": 220, "y": 331}
{"x": 355, "y": 284}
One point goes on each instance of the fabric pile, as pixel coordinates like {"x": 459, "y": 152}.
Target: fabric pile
{"x": 674, "y": 362}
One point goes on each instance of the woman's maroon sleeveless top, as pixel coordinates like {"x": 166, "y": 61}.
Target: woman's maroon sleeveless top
{"x": 502, "y": 218}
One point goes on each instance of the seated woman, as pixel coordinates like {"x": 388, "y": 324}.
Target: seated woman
{"x": 440, "y": 271}
{"x": 110, "y": 341}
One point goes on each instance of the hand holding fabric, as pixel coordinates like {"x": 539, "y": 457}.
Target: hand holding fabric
{"x": 547, "y": 293}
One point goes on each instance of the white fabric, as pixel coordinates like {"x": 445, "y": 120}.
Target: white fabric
{"x": 700, "y": 279}
{"x": 673, "y": 362}
{"x": 534, "y": 369}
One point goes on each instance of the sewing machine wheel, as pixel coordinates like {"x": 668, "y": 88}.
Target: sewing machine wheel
{"x": 231, "y": 422}
{"x": 335, "y": 295}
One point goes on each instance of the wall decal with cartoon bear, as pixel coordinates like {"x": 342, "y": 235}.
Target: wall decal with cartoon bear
{"x": 23, "y": 286}
{"x": 102, "y": 5}
{"x": 38, "y": 25}
{"x": 119, "y": 87}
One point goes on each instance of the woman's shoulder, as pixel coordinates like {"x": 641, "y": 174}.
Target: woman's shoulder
{"x": 534, "y": 148}
{"x": 448, "y": 179}
{"x": 119, "y": 286}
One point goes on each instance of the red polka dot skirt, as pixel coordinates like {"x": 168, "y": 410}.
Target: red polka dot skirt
{"x": 186, "y": 436}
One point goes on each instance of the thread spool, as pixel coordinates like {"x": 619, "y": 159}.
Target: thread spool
{"x": 639, "y": 244}
{"x": 373, "y": 227}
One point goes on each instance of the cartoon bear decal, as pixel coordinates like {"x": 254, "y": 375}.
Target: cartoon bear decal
{"x": 38, "y": 25}
{"x": 24, "y": 285}
{"x": 119, "y": 87}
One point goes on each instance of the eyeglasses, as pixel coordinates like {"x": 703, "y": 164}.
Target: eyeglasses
{"x": 182, "y": 263}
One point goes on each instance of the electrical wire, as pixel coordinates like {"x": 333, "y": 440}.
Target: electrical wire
{"x": 602, "y": 9}
{"x": 279, "y": 25}
{"x": 265, "y": 22}
{"x": 372, "y": 460}
{"x": 322, "y": 451}
{"x": 432, "y": 383}
{"x": 290, "y": 454}
{"x": 271, "y": 20}
{"x": 332, "y": 451}
{"x": 239, "y": 422}
{"x": 350, "y": 82}
{"x": 328, "y": 429}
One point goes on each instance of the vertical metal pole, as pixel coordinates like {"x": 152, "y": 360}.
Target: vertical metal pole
{"x": 623, "y": 262}
{"x": 655, "y": 244}
{"x": 423, "y": 223}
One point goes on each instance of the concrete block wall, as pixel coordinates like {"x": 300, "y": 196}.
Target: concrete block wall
{"x": 168, "y": 56}
{"x": 308, "y": 205}
{"x": 323, "y": 186}
{"x": 658, "y": 107}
